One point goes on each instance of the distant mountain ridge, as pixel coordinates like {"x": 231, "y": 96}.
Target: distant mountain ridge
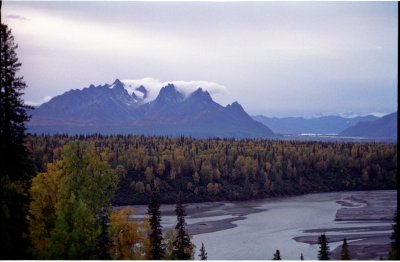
{"x": 110, "y": 109}
{"x": 382, "y": 127}
{"x": 319, "y": 125}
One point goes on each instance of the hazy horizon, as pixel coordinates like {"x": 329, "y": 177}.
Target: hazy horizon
{"x": 275, "y": 59}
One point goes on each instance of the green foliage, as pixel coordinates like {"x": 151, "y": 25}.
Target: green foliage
{"x": 345, "y": 255}
{"x": 277, "y": 255}
{"x": 203, "y": 253}
{"x": 230, "y": 169}
{"x": 323, "y": 252}
{"x": 86, "y": 188}
{"x": 157, "y": 246}
{"x": 76, "y": 230}
{"x": 15, "y": 167}
{"x": 183, "y": 249}
{"x": 88, "y": 175}
{"x": 72, "y": 223}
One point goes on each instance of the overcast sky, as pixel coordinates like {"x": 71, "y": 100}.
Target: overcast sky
{"x": 275, "y": 58}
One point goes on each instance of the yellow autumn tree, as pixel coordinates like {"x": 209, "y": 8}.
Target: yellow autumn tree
{"x": 44, "y": 192}
{"x": 128, "y": 238}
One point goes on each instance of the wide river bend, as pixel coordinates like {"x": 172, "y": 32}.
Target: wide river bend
{"x": 253, "y": 230}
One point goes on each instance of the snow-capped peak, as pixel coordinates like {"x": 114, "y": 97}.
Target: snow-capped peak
{"x": 153, "y": 87}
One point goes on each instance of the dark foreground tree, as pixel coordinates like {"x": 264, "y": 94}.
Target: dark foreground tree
{"x": 182, "y": 248}
{"x": 203, "y": 253}
{"x": 103, "y": 240}
{"x": 345, "y": 255}
{"x": 15, "y": 168}
{"x": 323, "y": 253}
{"x": 157, "y": 246}
{"x": 277, "y": 255}
{"x": 393, "y": 255}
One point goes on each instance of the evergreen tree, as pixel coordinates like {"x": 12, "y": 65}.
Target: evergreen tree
{"x": 277, "y": 255}
{"x": 183, "y": 248}
{"x": 323, "y": 253}
{"x": 345, "y": 255}
{"x": 157, "y": 247}
{"x": 103, "y": 240}
{"x": 395, "y": 242}
{"x": 203, "y": 253}
{"x": 16, "y": 170}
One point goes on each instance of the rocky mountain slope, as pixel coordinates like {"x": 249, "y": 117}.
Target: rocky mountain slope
{"x": 111, "y": 109}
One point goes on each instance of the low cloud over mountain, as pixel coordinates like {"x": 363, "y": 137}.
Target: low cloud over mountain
{"x": 154, "y": 86}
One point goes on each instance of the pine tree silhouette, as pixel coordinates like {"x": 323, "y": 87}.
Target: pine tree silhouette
{"x": 157, "y": 246}
{"x": 277, "y": 255}
{"x": 323, "y": 253}
{"x": 16, "y": 170}
{"x": 182, "y": 246}
{"x": 203, "y": 253}
{"x": 345, "y": 255}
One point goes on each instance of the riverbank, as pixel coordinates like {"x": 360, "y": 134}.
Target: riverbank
{"x": 291, "y": 224}
{"x": 206, "y": 217}
{"x": 368, "y": 218}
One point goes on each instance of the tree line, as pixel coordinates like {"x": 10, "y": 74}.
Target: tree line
{"x": 229, "y": 169}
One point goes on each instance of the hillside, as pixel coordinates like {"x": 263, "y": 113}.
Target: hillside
{"x": 383, "y": 127}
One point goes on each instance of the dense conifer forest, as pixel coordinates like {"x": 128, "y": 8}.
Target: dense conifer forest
{"x": 229, "y": 169}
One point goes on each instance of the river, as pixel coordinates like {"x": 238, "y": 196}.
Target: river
{"x": 253, "y": 230}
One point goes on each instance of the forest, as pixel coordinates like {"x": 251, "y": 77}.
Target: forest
{"x": 228, "y": 169}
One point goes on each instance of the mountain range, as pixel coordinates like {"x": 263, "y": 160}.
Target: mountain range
{"x": 110, "y": 109}
{"x": 122, "y": 109}
{"x": 318, "y": 125}
{"x": 382, "y": 127}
